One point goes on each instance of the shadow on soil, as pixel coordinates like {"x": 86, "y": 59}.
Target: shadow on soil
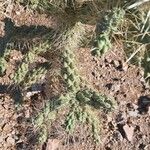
{"x": 15, "y": 93}
{"x": 144, "y": 103}
{"x": 11, "y": 33}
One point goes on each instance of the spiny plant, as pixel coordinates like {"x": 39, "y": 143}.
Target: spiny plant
{"x": 3, "y": 64}
{"x": 3, "y": 61}
{"x": 49, "y": 114}
{"x": 33, "y": 76}
{"x": 105, "y": 29}
{"x": 95, "y": 99}
{"x": 29, "y": 58}
{"x": 81, "y": 101}
{"x": 83, "y": 108}
{"x": 80, "y": 111}
{"x": 89, "y": 116}
{"x": 71, "y": 41}
{"x": 45, "y": 116}
{"x": 69, "y": 70}
{"x": 43, "y": 134}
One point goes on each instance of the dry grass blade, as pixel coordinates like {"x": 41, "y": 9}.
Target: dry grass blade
{"x": 147, "y": 19}
{"x": 133, "y": 54}
{"x": 136, "y": 4}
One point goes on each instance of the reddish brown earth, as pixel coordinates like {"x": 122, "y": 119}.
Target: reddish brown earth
{"x": 7, "y": 123}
